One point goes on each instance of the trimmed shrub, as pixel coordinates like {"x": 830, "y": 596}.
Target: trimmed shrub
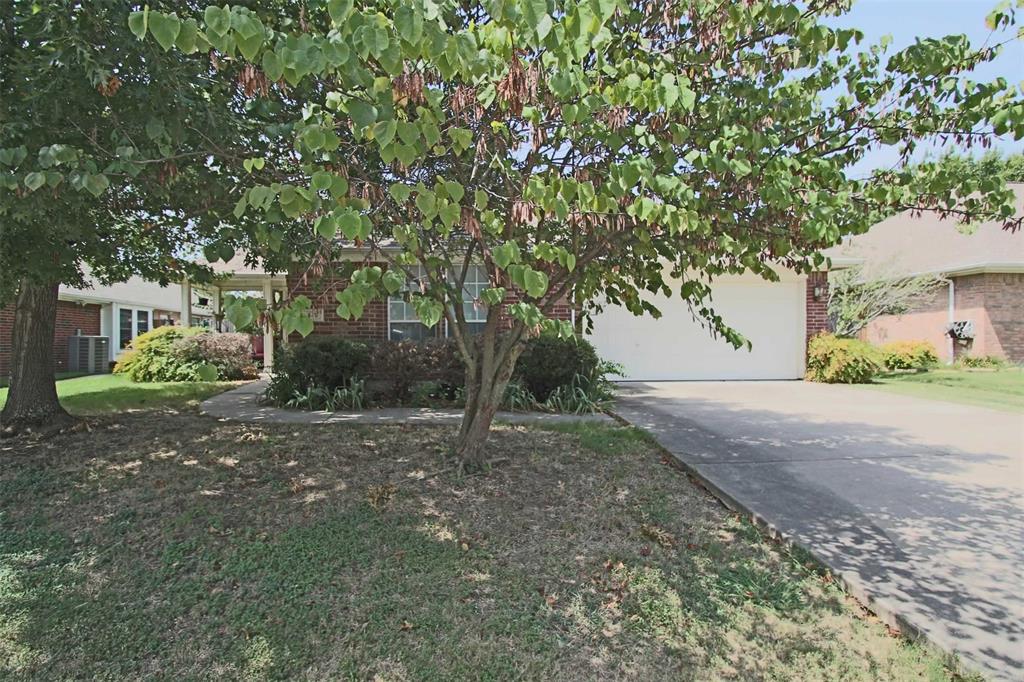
{"x": 399, "y": 366}
{"x": 833, "y": 360}
{"x": 152, "y": 356}
{"x": 327, "y": 362}
{"x": 231, "y": 354}
{"x": 549, "y": 362}
{"x": 909, "y": 355}
{"x": 981, "y": 362}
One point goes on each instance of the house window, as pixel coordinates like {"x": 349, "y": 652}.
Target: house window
{"x": 130, "y": 323}
{"x": 404, "y": 324}
{"x": 126, "y": 327}
{"x": 473, "y": 308}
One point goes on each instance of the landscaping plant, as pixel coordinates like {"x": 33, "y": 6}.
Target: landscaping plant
{"x": 909, "y": 355}
{"x": 187, "y": 354}
{"x": 981, "y": 362}
{"x": 573, "y": 147}
{"x": 856, "y": 296}
{"x": 834, "y": 360}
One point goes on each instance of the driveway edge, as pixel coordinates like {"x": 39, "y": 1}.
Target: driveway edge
{"x": 850, "y": 584}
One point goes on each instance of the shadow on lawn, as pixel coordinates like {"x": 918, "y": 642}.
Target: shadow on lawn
{"x": 933, "y": 534}
{"x": 159, "y": 544}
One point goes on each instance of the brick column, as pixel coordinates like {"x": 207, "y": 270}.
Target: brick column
{"x": 817, "y": 308}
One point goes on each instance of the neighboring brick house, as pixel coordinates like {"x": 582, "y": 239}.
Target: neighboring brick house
{"x": 119, "y": 312}
{"x": 984, "y": 273}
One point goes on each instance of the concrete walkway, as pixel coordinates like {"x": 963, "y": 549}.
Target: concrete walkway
{"x": 242, "y": 404}
{"x": 918, "y": 505}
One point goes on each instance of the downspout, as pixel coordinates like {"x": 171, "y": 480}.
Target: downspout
{"x": 950, "y": 318}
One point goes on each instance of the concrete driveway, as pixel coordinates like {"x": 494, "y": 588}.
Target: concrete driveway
{"x": 917, "y": 504}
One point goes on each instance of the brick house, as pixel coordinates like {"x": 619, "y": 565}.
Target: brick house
{"x": 983, "y": 269}
{"x": 777, "y": 317}
{"x": 119, "y": 312}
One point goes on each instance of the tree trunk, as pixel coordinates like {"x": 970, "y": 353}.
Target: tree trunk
{"x": 486, "y": 380}
{"x": 32, "y": 398}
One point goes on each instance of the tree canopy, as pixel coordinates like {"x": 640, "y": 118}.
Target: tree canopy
{"x": 115, "y": 156}
{"x": 585, "y": 149}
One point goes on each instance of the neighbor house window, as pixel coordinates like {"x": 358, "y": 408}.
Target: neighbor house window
{"x": 404, "y": 324}
{"x": 130, "y": 323}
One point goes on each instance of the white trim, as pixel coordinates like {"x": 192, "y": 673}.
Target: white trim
{"x": 115, "y": 325}
{"x": 981, "y": 268}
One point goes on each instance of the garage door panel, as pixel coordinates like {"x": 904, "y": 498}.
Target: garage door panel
{"x": 677, "y": 347}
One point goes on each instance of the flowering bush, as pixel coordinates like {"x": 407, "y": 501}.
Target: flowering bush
{"x": 833, "y": 360}
{"x": 231, "y": 354}
{"x": 909, "y": 355}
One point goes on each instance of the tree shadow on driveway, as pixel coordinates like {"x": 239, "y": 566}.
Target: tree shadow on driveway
{"x": 931, "y": 534}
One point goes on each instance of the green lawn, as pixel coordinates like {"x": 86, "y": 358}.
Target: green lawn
{"x": 1001, "y": 389}
{"x": 105, "y": 393}
{"x": 169, "y": 545}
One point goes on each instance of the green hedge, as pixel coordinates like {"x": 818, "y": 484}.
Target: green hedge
{"x": 834, "y": 360}
{"x": 549, "y": 363}
{"x": 551, "y": 371}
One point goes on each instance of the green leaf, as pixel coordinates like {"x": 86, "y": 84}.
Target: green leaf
{"x": 362, "y": 113}
{"x": 272, "y": 66}
{"x": 138, "y": 22}
{"x": 393, "y": 281}
{"x": 400, "y": 192}
{"x": 303, "y": 324}
{"x": 187, "y": 38}
{"x": 218, "y": 19}
{"x": 535, "y": 282}
{"x": 34, "y": 181}
{"x": 165, "y": 28}
{"x": 408, "y": 132}
{"x": 409, "y": 23}
{"x": 351, "y": 224}
{"x": 454, "y": 190}
{"x": 97, "y": 184}
{"x": 249, "y": 46}
{"x": 339, "y": 187}
{"x": 339, "y": 10}
{"x": 536, "y": 17}
{"x": 208, "y": 372}
{"x": 407, "y": 154}
{"x": 239, "y": 314}
{"x": 480, "y": 199}
{"x": 506, "y": 254}
{"x": 426, "y": 202}
{"x": 493, "y": 295}
{"x": 326, "y": 226}
{"x": 450, "y": 214}
{"x": 240, "y": 208}
{"x": 322, "y": 180}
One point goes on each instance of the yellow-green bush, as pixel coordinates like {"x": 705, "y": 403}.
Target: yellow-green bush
{"x": 833, "y": 360}
{"x": 909, "y": 355}
{"x": 186, "y": 354}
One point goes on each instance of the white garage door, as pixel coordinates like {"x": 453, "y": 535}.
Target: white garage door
{"x": 675, "y": 347}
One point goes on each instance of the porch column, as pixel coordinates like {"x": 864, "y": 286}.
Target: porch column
{"x": 268, "y": 331}
{"x": 186, "y": 303}
{"x": 215, "y": 306}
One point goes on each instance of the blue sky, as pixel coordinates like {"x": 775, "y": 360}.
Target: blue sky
{"x": 906, "y": 20}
